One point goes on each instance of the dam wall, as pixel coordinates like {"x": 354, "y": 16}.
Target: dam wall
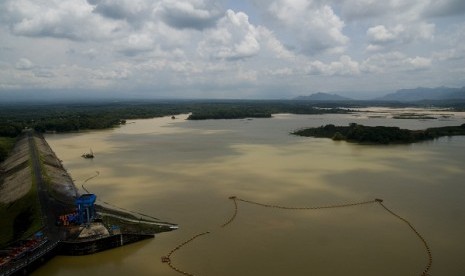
{"x": 34, "y": 169}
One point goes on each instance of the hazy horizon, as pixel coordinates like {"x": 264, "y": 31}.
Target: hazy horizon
{"x": 55, "y": 96}
{"x": 71, "y": 95}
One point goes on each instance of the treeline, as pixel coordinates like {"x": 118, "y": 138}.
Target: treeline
{"x": 229, "y": 110}
{"x": 81, "y": 116}
{"x": 379, "y": 134}
{"x": 74, "y": 117}
{"x": 258, "y": 109}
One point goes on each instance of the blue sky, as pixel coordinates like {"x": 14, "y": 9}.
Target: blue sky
{"x": 228, "y": 49}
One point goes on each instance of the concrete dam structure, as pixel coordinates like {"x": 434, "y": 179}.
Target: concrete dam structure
{"x": 56, "y": 218}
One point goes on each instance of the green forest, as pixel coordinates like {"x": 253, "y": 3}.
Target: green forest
{"x": 70, "y": 117}
{"x": 74, "y": 117}
{"x": 379, "y": 134}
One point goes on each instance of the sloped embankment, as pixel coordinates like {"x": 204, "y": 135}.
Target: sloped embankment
{"x": 16, "y": 178}
{"x": 20, "y": 210}
{"x": 19, "y": 205}
{"x": 60, "y": 184}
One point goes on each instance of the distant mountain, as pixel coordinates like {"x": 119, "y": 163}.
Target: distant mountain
{"x": 322, "y": 97}
{"x": 423, "y": 94}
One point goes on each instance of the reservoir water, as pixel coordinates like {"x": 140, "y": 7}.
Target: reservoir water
{"x": 184, "y": 171}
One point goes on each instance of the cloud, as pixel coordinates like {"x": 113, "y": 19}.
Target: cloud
{"x": 345, "y": 66}
{"x": 355, "y": 10}
{"x": 90, "y": 53}
{"x": 453, "y": 42}
{"x": 24, "y": 64}
{"x": 394, "y": 62}
{"x": 395, "y": 10}
{"x": 314, "y": 26}
{"x": 233, "y": 38}
{"x": 381, "y": 37}
{"x": 255, "y": 45}
{"x": 121, "y": 73}
{"x": 418, "y": 63}
{"x": 132, "y": 11}
{"x": 273, "y": 44}
{"x": 67, "y": 19}
{"x": 450, "y": 54}
{"x": 443, "y": 8}
{"x": 44, "y": 73}
{"x": 286, "y": 71}
{"x": 193, "y": 14}
{"x": 135, "y": 44}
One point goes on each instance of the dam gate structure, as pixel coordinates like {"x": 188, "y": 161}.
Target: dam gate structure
{"x": 85, "y": 208}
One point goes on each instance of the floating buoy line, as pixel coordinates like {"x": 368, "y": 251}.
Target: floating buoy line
{"x": 167, "y": 258}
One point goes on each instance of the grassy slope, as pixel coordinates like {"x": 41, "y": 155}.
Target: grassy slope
{"x": 20, "y": 219}
{"x": 6, "y": 145}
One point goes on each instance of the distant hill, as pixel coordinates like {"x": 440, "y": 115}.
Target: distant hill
{"x": 423, "y": 94}
{"x": 322, "y": 97}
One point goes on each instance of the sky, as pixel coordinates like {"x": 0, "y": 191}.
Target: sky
{"x": 233, "y": 49}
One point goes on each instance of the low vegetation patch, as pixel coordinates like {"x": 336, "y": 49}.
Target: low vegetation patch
{"x": 417, "y": 116}
{"x": 6, "y": 145}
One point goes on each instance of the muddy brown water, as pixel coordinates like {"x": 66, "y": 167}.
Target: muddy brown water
{"x": 184, "y": 171}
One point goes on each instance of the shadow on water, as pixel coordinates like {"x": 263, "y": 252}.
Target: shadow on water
{"x": 99, "y": 263}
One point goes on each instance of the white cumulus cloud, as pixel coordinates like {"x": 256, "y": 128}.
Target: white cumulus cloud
{"x": 380, "y": 34}
{"x": 381, "y": 37}
{"x": 234, "y": 38}
{"x": 418, "y": 63}
{"x": 315, "y": 26}
{"x": 345, "y": 66}
{"x": 67, "y": 19}
{"x": 394, "y": 62}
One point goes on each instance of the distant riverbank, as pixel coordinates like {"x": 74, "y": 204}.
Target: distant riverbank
{"x": 70, "y": 117}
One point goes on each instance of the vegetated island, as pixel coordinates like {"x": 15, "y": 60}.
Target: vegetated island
{"x": 361, "y": 134}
